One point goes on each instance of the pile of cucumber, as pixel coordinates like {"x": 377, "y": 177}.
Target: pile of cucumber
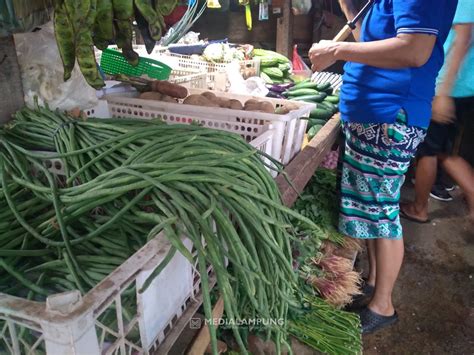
{"x": 323, "y": 95}
{"x": 274, "y": 67}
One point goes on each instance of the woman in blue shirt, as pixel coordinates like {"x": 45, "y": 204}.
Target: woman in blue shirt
{"x": 389, "y": 84}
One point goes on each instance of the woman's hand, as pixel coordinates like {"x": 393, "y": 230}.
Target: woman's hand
{"x": 322, "y": 55}
{"x": 444, "y": 110}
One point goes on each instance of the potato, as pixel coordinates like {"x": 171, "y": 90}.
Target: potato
{"x": 267, "y": 107}
{"x": 167, "y": 98}
{"x": 199, "y": 100}
{"x": 252, "y": 102}
{"x": 151, "y": 95}
{"x": 235, "y": 104}
{"x": 291, "y": 106}
{"x": 283, "y": 110}
{"x": 223, "y": 102}
{"x": 209, "y": 95}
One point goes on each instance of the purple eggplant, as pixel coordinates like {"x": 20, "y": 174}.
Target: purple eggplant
{"x": 275, "y": 95}
{"x": 279, "y": 87}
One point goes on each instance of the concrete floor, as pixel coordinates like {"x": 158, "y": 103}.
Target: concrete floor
{"x": 434, "y": 295}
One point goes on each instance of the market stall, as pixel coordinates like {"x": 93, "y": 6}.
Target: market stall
{"x": 185, "y": 184}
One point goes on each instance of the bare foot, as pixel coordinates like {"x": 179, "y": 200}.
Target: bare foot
{"x": 410, "y": 212}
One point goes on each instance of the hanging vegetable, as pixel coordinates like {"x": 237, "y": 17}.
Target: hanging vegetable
{"x": 79, "y": 25}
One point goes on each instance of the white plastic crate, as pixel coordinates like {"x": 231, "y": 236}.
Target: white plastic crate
{"x": 70, "y": 324}
{"x": 260, "y": 135}
{"x": 288, "y": 130}
{"x": 216, "y": 72}
{"x": 188, "y": 78}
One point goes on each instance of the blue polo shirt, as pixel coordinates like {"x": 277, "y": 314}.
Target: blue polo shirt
{"x": 374, "y": 95}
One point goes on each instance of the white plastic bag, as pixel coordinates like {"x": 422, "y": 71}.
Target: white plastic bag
{"x": 301, "y": 7}
{"x": 254, "y": 86}
{"x": 42, "y": 73}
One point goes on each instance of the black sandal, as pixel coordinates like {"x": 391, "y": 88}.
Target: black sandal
{"x": 372, "y": 322}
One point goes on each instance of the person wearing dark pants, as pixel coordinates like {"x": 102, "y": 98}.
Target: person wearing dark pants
{"x": 389, "y": 85}
{"x": 453, "y": 104}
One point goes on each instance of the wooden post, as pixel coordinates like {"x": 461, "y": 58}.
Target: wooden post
{"x": 11, "y": 89}
{"x": 284, "y": 40}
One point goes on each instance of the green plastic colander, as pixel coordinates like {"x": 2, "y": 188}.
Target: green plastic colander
{"x": 113, "y": 62}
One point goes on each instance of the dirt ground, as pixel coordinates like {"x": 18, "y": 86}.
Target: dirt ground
{"x": 434, "y": 296}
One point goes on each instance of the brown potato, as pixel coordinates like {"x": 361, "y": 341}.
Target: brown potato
{"x": 252, "y": 102}
{"x": 151, "y": 95}
{"x": 199, "y": 100}
{"x": 267, "y": 107}
{"x": 235, "y": 104}
{"x": 209, "y": 95}
{"x": 291, "y": 106}
{"x": 283, "y": 110}
{"x": 167, "y": 98}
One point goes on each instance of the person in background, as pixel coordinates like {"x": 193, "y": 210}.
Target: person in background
{"x": 389, "y": 84}
{"x": 453, "y": 103}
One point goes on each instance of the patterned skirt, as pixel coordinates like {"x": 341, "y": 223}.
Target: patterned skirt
{"x": 376, "y": 158}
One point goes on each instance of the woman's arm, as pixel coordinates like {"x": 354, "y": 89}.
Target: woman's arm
{"x": 444, "y": 110}
{"x": 403, "y": 51}
{"x": 461, "y": 45}
{"x": 350, "y": 12}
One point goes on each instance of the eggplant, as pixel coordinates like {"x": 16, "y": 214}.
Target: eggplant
{"x": 280, "y": 88}
{"x": 275, "y": 95}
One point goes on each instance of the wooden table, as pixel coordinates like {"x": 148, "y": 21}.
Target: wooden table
{"x": 299, "y": 171}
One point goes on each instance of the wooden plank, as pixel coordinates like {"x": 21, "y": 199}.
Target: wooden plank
{"x": 302, "y": 167}
{"x": 11, "y": 89}
{"x": 284, "y": 40}
{"x": 204, "y": 337}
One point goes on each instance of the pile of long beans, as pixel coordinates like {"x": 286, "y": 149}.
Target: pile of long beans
{"x": 127, "y": 180}
{"x": 327, "y": 329}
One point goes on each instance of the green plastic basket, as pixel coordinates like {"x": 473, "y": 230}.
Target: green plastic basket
{"x": 113, "y": 62}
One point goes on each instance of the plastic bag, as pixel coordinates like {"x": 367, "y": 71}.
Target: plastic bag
{"x": 42, "y": 73}
{"x": 301, "y": 7}
{"x": 254, "y": 86}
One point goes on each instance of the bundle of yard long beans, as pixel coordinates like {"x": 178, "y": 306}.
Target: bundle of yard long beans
{"x": 327, "y": 329}
{"x": 127, "y": 180}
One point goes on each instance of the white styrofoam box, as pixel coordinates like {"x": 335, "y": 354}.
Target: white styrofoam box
{"x": 288, "y": 129}
{"x": 69, "y": 323}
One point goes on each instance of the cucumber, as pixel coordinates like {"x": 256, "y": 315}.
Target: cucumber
{"x": 273, "y": 72}
{"x": 302, "y": 92}
{"x": 266, "y": 78}
{"x": 304, "y": 85}
{"x": 284, "y": 67}
{"x": 320, "y": 114}
{"x": 266, "y": 53}
{"x": 316, "y": 121}
{"x": 323, "y": 87}
{"x": 268, "y": 62}
{"x": 313, "y": 131}
{"x": 328, "y": 106}
{"x": 332, "y": 99}
{"x": 309, "y": 98}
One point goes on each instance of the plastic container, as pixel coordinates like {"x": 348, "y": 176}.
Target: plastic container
{"x": 70, "y": 324}
{"x": 216, "y": 72}
{"x": 113, "y": 62}
{"x": 288, "y": 129}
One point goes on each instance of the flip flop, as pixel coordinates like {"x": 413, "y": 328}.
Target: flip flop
{"x": 372, "y": 322}
{"x": 403, "y": 214}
